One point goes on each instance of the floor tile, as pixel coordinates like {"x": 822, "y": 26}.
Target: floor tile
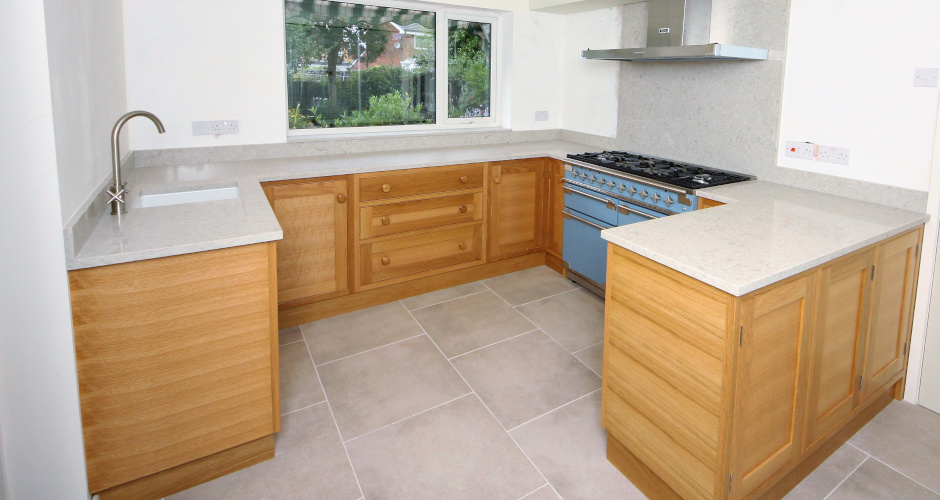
{"x": 453, "y": 451}
{"x": 829, "y": 474}
{"x": 544, "y": 493}
{"x": 340, "y": 336}
{"x": 309, "y": 462}
{"x": 525, "y": 377}
{"x": 876, "y": 481}
{"x": 290, "y": 335}
{"x": 300, "y": 386}
{"x": 574, "y": 319}
{"x": 439, "y": 296}
{"x": 569, "y": 446}
{"x": 528, "y": 285}
{"x": 907, "y": 438}
{"x": 593, "y": 358}
{"x": 380, "y": 387}
{"x": 469, "y": 323}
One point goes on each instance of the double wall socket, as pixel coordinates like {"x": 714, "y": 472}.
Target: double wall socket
{"x": 541, "y": 116}
{"x": 216, "y": 127}
{"x": 810, "y": 151}
{"x": 804, "y": 150}
{"x": 833, "y": 154}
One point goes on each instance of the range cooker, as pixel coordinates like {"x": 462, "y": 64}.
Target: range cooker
{"x": 616, "y": 188}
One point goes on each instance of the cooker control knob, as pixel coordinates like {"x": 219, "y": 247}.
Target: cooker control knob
{"x": 656, "y": 197}
{"x": 601, "y": 181}
{"x": 644, "y": 194}
{"x": 593, "y": 178}
{"x": 669, "y": 201}
{"x": 622, "y": 187}
{"x": 611, "y": 184}
{"x": 583, "y": 176}
{"x": 632, "y": 191}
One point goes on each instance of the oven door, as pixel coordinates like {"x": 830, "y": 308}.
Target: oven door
{"x": 585, "y": 252}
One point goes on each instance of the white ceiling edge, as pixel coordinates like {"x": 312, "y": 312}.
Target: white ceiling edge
{"x": 503, "y": 5}
{"x": 572, "y": 6}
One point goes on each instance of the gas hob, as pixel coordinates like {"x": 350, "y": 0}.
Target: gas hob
{"x": 684, "y": 175}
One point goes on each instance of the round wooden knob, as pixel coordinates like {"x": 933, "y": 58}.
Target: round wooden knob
{"x": 463, "y": 209}
{"x": 386, "y": 188}
{"x": 386, "y": 221}
{"x": 464, "y": 179}
{"x": 462, "y": 246}
{"x": 497, "y": 180}
{"x": 341, "y": 198}
{"x": 386, "y": 261}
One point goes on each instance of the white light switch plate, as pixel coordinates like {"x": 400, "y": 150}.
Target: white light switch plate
{"x": 216, "y": 127}
{"x": 926, "y": 77}
{"x": 541, "y": 116}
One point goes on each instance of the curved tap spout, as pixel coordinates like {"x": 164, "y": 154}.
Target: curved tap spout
{"x": 118, "y": 191}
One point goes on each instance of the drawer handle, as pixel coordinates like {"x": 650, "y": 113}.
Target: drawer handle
{"x": 386, "y": 188}
{"x": 464, "y": 179}
{"x": 386, "y": 221}
{"x": 462, "y": 246}
{"x": 341, "y": 198}
{"x": 497, "y": 180}
{"x": 386, "y": 261}
{"x": 463, "y": 209}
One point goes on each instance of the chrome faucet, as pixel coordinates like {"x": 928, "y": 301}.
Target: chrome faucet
{"x": 117, "y": 191}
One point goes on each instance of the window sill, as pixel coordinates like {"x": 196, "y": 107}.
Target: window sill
{"x": 332, "y": 136}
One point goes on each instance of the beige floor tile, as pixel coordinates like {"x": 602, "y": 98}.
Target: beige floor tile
{"x": 380, "y": 387}
{"x": 453, "y": 451}
{"x": 907, "y": 438}
{"x": 874, "y": 480}
{"x": 290, "y": 335}
{"x": 309, "y": 462}
{"x": 829, "y": 474}
{"x": 340, "y": 336}
{"x": 300, "y": 386}
{"x": 439, "y": 296}
{"x": 469, "y": 323}
{"x": 528, "y": 285}
{"x": 574, "y": 319}
{"x": 593, "y": 358}
{"x": 569, "y": 446}
{"x": 544, "y": 493}
{"x": 525, "y": 377}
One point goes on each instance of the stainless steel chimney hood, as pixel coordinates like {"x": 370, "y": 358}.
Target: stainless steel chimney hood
{"x": 679, "y": 30}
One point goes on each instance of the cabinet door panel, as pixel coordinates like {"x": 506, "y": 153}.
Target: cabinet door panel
{"x": 554, "y": 222}
{"x": 892, "y": 298}
{"x": 311, "y": 259}
{"x": 841, "y": 322}
{"x": 769, "y": 407}
{"x": 515, "y": 207}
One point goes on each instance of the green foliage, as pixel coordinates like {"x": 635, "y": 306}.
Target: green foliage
{"x": 389, "y": 109}
{"x": 469, "y": 73}
{"x": 296, "y": 119}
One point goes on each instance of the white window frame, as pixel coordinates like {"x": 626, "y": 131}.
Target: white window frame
{"x": 443, "y": 14}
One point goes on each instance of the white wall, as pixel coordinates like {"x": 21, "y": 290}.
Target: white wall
{"x": 849, "y": 82}
{"x": 537, "y": 40}
{"x": 86, "y": 65}
{"x": 39, "y": 412}
{"x": 590, "y": 89}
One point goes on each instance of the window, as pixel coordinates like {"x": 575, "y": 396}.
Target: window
{"x": 353, "y": 66}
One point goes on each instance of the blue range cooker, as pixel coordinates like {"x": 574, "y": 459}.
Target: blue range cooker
{"x": 616, "y": 188}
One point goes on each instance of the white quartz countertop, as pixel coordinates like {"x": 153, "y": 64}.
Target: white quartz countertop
{"x": 766, "y": 232}
{"x": 149, "y": 233}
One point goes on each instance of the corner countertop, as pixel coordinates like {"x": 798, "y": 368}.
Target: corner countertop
{"x": 766, "y": 232}
{"x": 150, "y": 233}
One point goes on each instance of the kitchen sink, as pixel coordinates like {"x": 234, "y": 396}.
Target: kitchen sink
{"x": 186, "y": 196}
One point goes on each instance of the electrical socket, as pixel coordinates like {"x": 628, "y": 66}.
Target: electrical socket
{"x": 216, "y": 127}
{"x": 803, "y": 150}
{"x": 833, "y": 154}
{"x": 926, "y": 77}
{"x": 541, "y": 116}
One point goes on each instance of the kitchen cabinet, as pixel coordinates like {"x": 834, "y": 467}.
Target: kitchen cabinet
{"x": 516, "y": 207}
{"x": 706, "y": 203}
{"x": 708, "y": 395}
{"x": 177, "y": 368}
{"x": 312, "y": 257}
{"x": 554, "y": 222}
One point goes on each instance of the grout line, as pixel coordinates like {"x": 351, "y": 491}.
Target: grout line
{"x": 588, "y": 347}
{"x": 443, "y": 301}
{"x": 543, "y": 298}
{"x": 369, "y": 350}
{"x": 494, "y": 343}
{"x": 554, "y": 410}
{"x": 290, "y": 343}
{"x": 905, "y": 475}
{"x": 304, "y": 408}
{"x": 527, "y": 495}
{"x": 846, "y": 478}
{"x": 409, "y": 416}
{"x": 335, "y": 424}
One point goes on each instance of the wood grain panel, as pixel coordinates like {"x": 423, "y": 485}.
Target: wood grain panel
{"x": 394, "y": 258}
{"x": 174, "y": 359}
{"x": 516, "y": 207}
{"x": 706, "y": 203}
{"x": 420, "y": 181}
{"x": 554, "y": 222}
{"x": 395, "y": 218}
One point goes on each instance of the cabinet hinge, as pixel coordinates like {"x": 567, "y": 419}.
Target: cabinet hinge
{"x": 861, "y": 383}
{"x": 730, "y": 483}
{"x": 906, "y": 347}
{"x": 873, "y": 273}
{"x": 741, "y": 337}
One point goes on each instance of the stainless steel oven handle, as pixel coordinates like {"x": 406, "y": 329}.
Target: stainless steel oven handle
{"x": 611, "y": 205}
{"x": 566, "y": 214}
{"x": 628, "y": 211}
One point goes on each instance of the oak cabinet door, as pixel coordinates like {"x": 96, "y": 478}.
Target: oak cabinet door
{"x": 554, "y": 222}
{"x": 840, "y": 327}
{"x": 516, "y": 207}
{"x": 892, "y": 298}
{"x": 312, "y": 257}
{"x": 769, "y": 404}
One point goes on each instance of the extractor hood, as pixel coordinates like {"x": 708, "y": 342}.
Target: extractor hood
{"x": 679, "y": 30}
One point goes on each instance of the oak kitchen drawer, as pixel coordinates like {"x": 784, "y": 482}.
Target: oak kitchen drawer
{"x": 394, "y": 258}
{"x": 389, "y": 185}
{"x": 394, "y": 218}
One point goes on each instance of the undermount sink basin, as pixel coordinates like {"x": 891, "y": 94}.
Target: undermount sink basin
{"x": 188, "y": 196}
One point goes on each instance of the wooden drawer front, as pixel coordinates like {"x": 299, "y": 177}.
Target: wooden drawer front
{"x": 417, "y": 182}
{"x": 413, "y": 215}
{"x": 390, "y": 259}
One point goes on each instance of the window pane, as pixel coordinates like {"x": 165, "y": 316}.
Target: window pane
{"x": 468, "y": 70}
{"x": 351, "y": 65}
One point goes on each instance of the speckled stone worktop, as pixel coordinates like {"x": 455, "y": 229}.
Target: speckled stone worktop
{"x": 766, "y": 232}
